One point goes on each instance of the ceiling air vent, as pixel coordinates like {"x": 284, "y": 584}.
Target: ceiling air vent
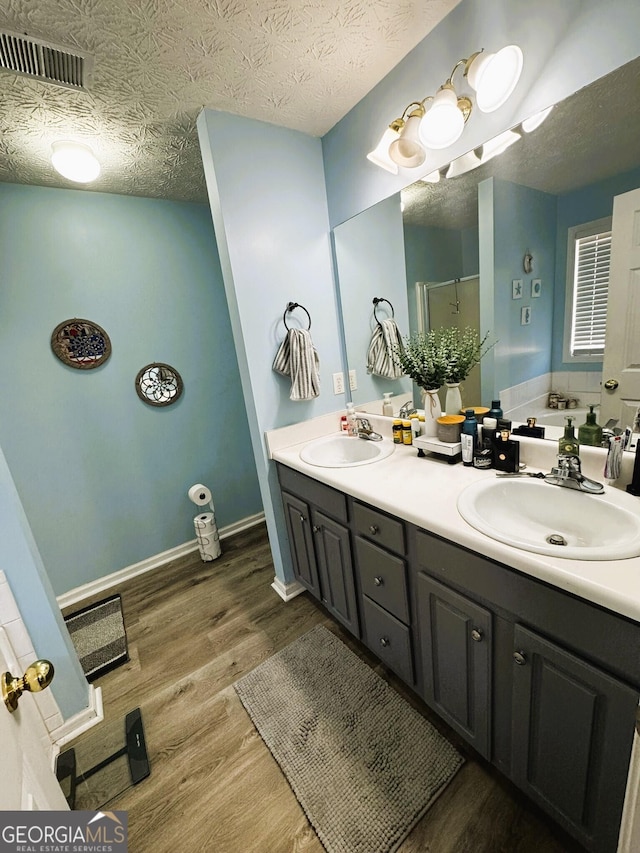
{"x": 44, "y": 61}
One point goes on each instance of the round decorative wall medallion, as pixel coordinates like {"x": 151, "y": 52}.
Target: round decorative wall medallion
{"x": 159, "y": 384}
{"x": 81, "y": 344}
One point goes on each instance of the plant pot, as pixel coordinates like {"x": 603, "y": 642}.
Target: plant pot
{"x": 453, "y": 400}
{"x": 432, "y": 411}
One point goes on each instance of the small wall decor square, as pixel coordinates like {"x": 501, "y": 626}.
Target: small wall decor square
{"x": 525, "y": 315}
{"x": 516, "y": 288}
{"x": 536, "y": 287}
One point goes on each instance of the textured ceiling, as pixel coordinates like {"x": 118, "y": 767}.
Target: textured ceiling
{"x": 301, "y": 64}
{"x": 590, "y": 136}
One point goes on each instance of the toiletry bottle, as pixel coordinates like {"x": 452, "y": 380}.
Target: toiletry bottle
{"x": 469, "y": 436}
{"x": 590, "y": 432}
{"x": 396, "y": 430}
{"x": 495, "y": 411}
{"x": 344, "y": 424}
{"x": 387, "y": 405}
{"x": 568, "y": 443}
{"x": 407, "y": 438}
{"x": 351, "y": 420}
{"x": 416, "y": 428}
{"x": 507, "y": 454}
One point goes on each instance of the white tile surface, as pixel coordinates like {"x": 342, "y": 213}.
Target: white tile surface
{"x": 19, "y": 638}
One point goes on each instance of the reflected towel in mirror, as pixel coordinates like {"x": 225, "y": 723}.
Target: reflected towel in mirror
{"x": 380, "y": 360}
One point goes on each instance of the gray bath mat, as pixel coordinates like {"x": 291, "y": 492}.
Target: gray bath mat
{"x": 364, "y": 765}
{"x": 99, "y": 636}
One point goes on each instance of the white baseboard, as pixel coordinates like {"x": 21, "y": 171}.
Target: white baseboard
{"x": 80, "y": 722}
{"x": 108, "y": 581}
{"x": 287, "y": 591}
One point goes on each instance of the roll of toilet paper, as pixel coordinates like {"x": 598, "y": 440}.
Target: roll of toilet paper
{"x": 199, "y": 494}
{"x": 207, "y": 536}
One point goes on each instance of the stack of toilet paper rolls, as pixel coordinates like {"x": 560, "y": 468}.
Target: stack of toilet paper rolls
{"x": 205, "y": 524}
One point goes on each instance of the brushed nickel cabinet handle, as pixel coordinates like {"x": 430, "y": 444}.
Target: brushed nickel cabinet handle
{"x": 378, "y": 581}
{"x": 373, "y": 529}
{"x": 476, "y": 635}
{"x": 384, "y": 642}
{"x": 520, "y": 658}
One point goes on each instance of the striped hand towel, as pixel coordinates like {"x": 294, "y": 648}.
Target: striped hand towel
{"x": 297, "y": 358}
{"x": 380, "y": 360}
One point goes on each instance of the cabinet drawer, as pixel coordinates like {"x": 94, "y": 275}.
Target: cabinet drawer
{"x": 388, "y": 638}
{"x": 383, "y": 578}
{"x": 388, "y": 532}
{"x": 323, "y": 497}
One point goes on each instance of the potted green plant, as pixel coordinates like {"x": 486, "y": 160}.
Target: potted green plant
{"x": 424, "y": 359}
{"x": 464, "y": 349}
{"x": 438, "y": 357}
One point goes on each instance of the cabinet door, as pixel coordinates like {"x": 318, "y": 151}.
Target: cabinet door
{"x": 572, "y": 729}
{"x": 335, "y": 569}
{"x": 298, "y": 518}
{"x": 455, "y": 637}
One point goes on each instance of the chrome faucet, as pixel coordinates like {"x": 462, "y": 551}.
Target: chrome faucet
{"x": 568, "y": 473}
{"x": 365, "y": 431}
{"x": 407, "y": 410}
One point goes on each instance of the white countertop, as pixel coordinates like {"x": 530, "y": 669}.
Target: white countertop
{"x": 424, "y": 492}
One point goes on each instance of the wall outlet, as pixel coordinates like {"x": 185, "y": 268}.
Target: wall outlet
{"x": 338, "y": 383}
{"x": 353, "y": 380}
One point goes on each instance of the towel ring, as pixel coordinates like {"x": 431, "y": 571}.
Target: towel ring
{"x": 290, "y": 307}
{"x": 376, "y": 302}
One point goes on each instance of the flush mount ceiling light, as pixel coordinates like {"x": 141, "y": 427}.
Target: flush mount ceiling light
{"x": 437, "y": 121}
{"x": 75, "y": 161}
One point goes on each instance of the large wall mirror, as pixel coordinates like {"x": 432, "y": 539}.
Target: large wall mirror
{"x": 435, "y": 247}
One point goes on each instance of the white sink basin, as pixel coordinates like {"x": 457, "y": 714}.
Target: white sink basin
{"x": 345, "y": 451}
{"x": 525, "y": 513}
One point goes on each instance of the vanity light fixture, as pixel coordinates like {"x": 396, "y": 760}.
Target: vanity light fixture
{"x": 498, "y": 145}
{"x": 437, "y": 121}
{"x": 461, "y": 165}
{"x": 75, "y": 161}
{"x": 533, "y": 122}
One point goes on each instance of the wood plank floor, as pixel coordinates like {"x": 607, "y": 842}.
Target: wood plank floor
{"x": 193, "y": 629}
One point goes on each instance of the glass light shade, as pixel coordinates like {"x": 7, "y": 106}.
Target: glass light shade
{"x": 444, "y": 122}
{"x": 533, "y": 122}
{"x": 75, "y": 161}
{"x": 380, "y": 154}
{"x": 463, "y": 164}
{"x": 498, "y": 144}
{"x": 494, "y": 76}
{"x": 431, "y": 178}
{"x": 407, "y": 150}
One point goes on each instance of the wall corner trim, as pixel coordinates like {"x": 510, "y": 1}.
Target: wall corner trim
{"x": 287, "y": 591}
{"x": 80, "y": 722}
{"x": 157, "y": 561}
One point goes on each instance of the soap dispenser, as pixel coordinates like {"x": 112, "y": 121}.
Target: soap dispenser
{"x": 568, "y": 443}
{"x": 387, "y": 405}
{"x": 590, "y": 432}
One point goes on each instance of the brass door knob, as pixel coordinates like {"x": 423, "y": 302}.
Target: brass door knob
{"x": 611, "y": 384}
{"x": 37, "y": 677}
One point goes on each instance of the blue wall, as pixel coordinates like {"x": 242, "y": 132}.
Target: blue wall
{"x": 585, "y": 205}
{"x": 102, "y": 476}
{"x": 523, "y": 219}
{"x": 272, "y": 230}
{"x": 31, "y": 588}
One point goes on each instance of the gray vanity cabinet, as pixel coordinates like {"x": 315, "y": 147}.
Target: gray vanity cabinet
{"x": 571, "y": 737}
{"x": 298, "y": 518}
{"x": 456, "y": 653}
{"x": 380, "y": 549}
{"x": 316, "y": 518}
